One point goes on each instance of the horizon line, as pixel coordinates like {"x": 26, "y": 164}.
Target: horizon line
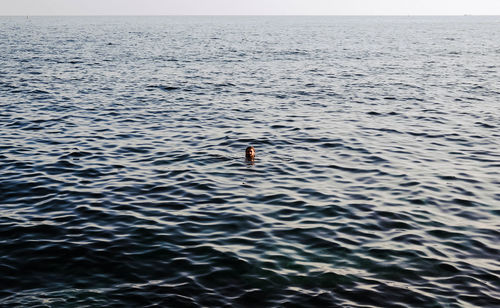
{"x": 249, "y": 15}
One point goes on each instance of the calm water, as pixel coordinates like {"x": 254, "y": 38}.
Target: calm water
{"x": 376, "y": 184}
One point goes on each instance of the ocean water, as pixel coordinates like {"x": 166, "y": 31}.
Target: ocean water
{"x": 123, "y": 180}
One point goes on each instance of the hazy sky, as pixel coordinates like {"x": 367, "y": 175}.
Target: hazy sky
{"x": 249, "y": 7}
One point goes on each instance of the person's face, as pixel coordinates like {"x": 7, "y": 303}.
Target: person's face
{"x": 250, "y": 153}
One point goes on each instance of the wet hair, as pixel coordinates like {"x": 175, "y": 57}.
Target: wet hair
{"x": 248, "y": 149}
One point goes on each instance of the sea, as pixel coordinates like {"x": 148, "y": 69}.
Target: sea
{"x": 123, "y": 179}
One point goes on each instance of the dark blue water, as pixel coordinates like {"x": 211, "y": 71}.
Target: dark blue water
{"x": 123, "y": 180}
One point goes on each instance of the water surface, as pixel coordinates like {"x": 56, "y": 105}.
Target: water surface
{"x": 123, "y": 180}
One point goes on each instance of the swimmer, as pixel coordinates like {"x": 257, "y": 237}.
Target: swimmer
{"x": 250, "y": 153}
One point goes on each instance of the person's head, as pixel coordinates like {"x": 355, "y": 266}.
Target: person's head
{"x": 250, "y": 153}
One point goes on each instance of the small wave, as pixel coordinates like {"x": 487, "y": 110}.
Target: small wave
{"x": 163, "y": 88}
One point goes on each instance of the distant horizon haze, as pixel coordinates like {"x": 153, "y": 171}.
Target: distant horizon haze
{"x": 256, "y": 7}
